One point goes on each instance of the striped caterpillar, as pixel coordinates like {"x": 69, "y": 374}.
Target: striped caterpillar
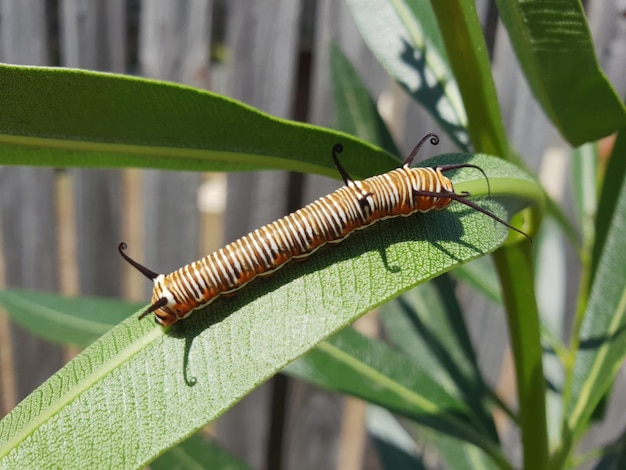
{"x": 330, "y": 219}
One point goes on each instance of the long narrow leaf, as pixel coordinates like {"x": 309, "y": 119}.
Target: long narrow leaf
{"x": 602, "y": 344}
{"x": 141, "y": 389}
{"x": 458, "y": 454}
{"x": 404, "y": 37}
{"x": 195, "y": 452}
{"x": 482, "y": 276}
{"x": 465, "y": 44}
{"x": 367, "y": 368}
{"x": 63, "y": 117}
{"x": 72, "y": 321}
{"x": 427, "y": 324}
{"x": 613, "y": 182}
{"x": 553, "y": 44}
{"x": 396, "y": 449}
{"x": 355, "y": 109}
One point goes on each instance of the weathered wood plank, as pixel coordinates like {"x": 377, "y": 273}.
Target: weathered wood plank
{"x": 608, "y": 28}
{"x": 27, "y": 205}
{"x": 89, "y": 42}
{"x": 173, "y": 45}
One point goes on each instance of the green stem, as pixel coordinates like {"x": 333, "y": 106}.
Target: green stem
{"x": 586, "y": 275}
{"x": 515, "y": 267}
{"x": 467, "y": 52}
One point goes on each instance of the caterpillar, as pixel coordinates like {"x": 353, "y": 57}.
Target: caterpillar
{"x": 330, "y": 219}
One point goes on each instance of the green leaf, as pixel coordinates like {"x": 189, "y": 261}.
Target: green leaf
{"x": 355, "y": 109}
{"x": 426, "y": 323}
{"x": 614, "y": 178}
{"x": 369, "y": 369}
{"x": 458, "y": 454}
{"x": 140, "y": 389}
{"x": 481, "y": 275}
{"x": 602, "y": 343}
{"x": 351, "y": 363}
{"x": 196, "y": 452}
{"x": 405, "y": 39}
{"x": 63, "y": 117}
{"x": 396, "y": 449}
{"x": 554, "y": 47}
{"x": 515, "y": 268}
{"x": 74, "y": 321}
{"x": 585, "y": 181}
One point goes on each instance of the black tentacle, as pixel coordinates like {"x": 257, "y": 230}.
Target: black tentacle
{"x": 142, "y": 269}
{"x": 434, "y": 139}
{"x": 456, "y": 166}
{"x": 463, "y": 199}
{"x": 162, "y": 302}
{"x": 338, "y": 148}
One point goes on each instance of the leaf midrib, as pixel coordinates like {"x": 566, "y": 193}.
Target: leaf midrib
{"x": 586, "y": 390}
{"x": 379, "y": 378}
{"x": 202, "y": 155}
{"x": 61, "y": 403}
{"x": 408, "y": 395}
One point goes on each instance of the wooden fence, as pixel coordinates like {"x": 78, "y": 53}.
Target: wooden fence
{"x": 59, "y": 229}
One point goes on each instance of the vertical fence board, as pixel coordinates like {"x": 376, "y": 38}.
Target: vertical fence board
{"x": 23, "y": 36}
{"x": 88, "y": 42}
{"x": 98, "y": 215}
{"x": 262, "y": 39}
{"x": 608, "y": 28}
{"x": 528, "y": 128}
{"x": 314, "y": 416}
{"x": 175, "y": 40}
{"x": 174, "y": 45}
{"x": 93, "y": 34}
{"x": 27, "y": 209}
{"x": 30, "y": 252}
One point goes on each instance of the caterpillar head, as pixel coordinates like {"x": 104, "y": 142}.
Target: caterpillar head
{"x": 166, "y": 310}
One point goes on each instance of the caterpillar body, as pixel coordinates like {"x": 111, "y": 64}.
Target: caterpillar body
{"x": 330, "y": 219}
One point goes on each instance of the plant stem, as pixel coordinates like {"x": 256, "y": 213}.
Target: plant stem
{"x": 515, "y": 267}
{"x": 467, "y": 53}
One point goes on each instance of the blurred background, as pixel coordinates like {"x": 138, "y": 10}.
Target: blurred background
{"x": 59, "y": 228}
